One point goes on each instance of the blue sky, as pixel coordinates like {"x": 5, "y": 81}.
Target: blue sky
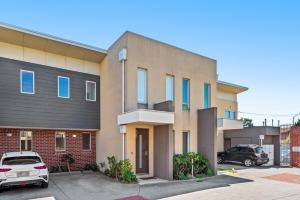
{"x": 256, "y": 43}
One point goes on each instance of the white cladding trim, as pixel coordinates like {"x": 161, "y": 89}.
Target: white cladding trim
{"x": 146, "y": 116}
{"x": 227, "y": 96}
{"x": 26, "y": 54}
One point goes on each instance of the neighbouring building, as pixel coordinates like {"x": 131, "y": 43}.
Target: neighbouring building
{"x": 227, "y": 110}
{"x": 266, "y": 136}
{"x": 295, "y": 146}
{"x": 141, "y": 100}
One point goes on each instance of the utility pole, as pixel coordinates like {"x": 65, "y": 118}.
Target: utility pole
{"x": 294, "y": 118}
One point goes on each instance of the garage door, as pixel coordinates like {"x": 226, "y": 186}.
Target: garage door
{"x": 269, "y": 149}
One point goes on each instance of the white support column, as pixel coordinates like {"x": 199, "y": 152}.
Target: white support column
{"x": 122, "y": 58}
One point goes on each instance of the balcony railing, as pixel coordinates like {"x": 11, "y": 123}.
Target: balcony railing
{"x": 226, "y": 124}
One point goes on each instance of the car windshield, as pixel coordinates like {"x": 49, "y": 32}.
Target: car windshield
{"x": 259, "y": 150}
{"x": 22, "y": 160}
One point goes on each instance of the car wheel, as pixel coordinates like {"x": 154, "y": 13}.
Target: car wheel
{"x": 248, "y": 162}
{"x": 220, "y": 160}
{"x": 44, "y": 185}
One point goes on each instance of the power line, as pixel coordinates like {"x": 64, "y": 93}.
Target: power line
{"x": 268, "y": 114}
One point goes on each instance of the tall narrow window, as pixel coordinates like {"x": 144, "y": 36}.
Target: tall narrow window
{"x": 27, "y": 82}
{"x": 169, "y": 88}
{"x": 86, "y": 141}
{"x": 26, "y": 140}
{"x": 207, "y": 95}
{"x": 63, "y": 84}
{"x": 185, "y": 142}
{"x": 60, "y": 141}
{"x": 142, "y": 86}
{"x": 90, "y": 90}
{"x": 232, "y": 115}
{"x": 185, "y": 94}
{"x": 227, "y": 114}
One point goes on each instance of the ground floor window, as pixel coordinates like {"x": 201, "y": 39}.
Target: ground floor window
{"x": 185, "y": 142}
{"x": 26, "y": 140}
{"x": 86, "y": 141}
{"x": 60, "y": 141}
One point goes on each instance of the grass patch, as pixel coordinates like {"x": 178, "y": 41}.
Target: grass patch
{"x": 228, "y": 170}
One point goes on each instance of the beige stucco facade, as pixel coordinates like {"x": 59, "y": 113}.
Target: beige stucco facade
{"x": 159, "y": 60}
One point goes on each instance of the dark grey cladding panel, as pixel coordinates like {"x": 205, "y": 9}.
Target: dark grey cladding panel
{"x": 164, "y": 106}
{"x": 207, "y": 135}
{"x": 44, "y": 109}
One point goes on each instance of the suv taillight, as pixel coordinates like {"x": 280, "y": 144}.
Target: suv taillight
{"x": 41, "y": 167}
{"x": 4, "y": 169}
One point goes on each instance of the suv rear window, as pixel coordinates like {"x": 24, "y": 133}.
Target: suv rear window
{"x": 22, "y": 160}
{"x": 259, "y": 150}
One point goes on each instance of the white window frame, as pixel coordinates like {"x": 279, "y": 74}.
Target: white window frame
{"x": 31, "y": 141}
{"x": 173, "y": 88}
{"x": 86, "y": 96}
{"x": 65, "y": 141}
{"x": 21, "y": 82}
{"x": 90, "y": 148}
{"x": 58, "y": 77}
{"x": 137, "y": 85}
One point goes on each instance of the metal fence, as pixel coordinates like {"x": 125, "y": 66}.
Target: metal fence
{"x": 285, "y": 145}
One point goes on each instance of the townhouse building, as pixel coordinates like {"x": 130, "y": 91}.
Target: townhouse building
{"x": 141, "y": 100}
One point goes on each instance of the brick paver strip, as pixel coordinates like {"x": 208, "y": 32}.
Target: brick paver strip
{"x": 137, "y": 197}
{"x": 285, "y": 177}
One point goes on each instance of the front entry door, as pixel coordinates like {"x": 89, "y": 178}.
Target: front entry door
{"x": 142, "y": 150}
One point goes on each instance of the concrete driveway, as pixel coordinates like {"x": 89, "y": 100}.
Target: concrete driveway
{"x": 93, "y": 186}
{"x": 266, "y": 183}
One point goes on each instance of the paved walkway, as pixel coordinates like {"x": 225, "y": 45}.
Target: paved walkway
{"x": 266, "y": 184}
{"x": 255, "y": 183}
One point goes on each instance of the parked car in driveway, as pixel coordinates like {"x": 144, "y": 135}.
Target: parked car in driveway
{"x": 23, "y": 168}
{"x": 249, "y": 155}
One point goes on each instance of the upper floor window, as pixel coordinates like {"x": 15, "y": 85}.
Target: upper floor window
{"x": 185, "y": 94}
{"x": 230, "y": 115}
{"x": 142, "y": 86}
{"x": 90, "y": 90}
{"x": 27, "y": 81}
{"x": 207, "y": 94}
{"x": 169, "y": 88}
{"x": 63, "y": 84}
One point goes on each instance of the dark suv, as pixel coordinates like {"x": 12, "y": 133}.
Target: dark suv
{"x": 249, "y": 155}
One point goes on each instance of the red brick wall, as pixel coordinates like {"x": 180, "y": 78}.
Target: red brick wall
{"x": 295, "y": 141}
{"x": 43, "y": 142}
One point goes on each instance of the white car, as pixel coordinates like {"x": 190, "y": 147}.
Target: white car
{"x": 23, "y": 168}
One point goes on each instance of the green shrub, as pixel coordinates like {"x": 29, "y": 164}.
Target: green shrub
{"x": 209, "y": 172}
{"x": 183, "y": 165}
{"x": 91, "y": 166}
{"x": 121, "y": 170}
{"x": 68, "y": 158}
{"x": 112, "y": 166}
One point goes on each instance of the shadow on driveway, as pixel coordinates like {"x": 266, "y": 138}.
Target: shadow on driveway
{"x": 93, "y": 186}
{"x": 171, "y": 189}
